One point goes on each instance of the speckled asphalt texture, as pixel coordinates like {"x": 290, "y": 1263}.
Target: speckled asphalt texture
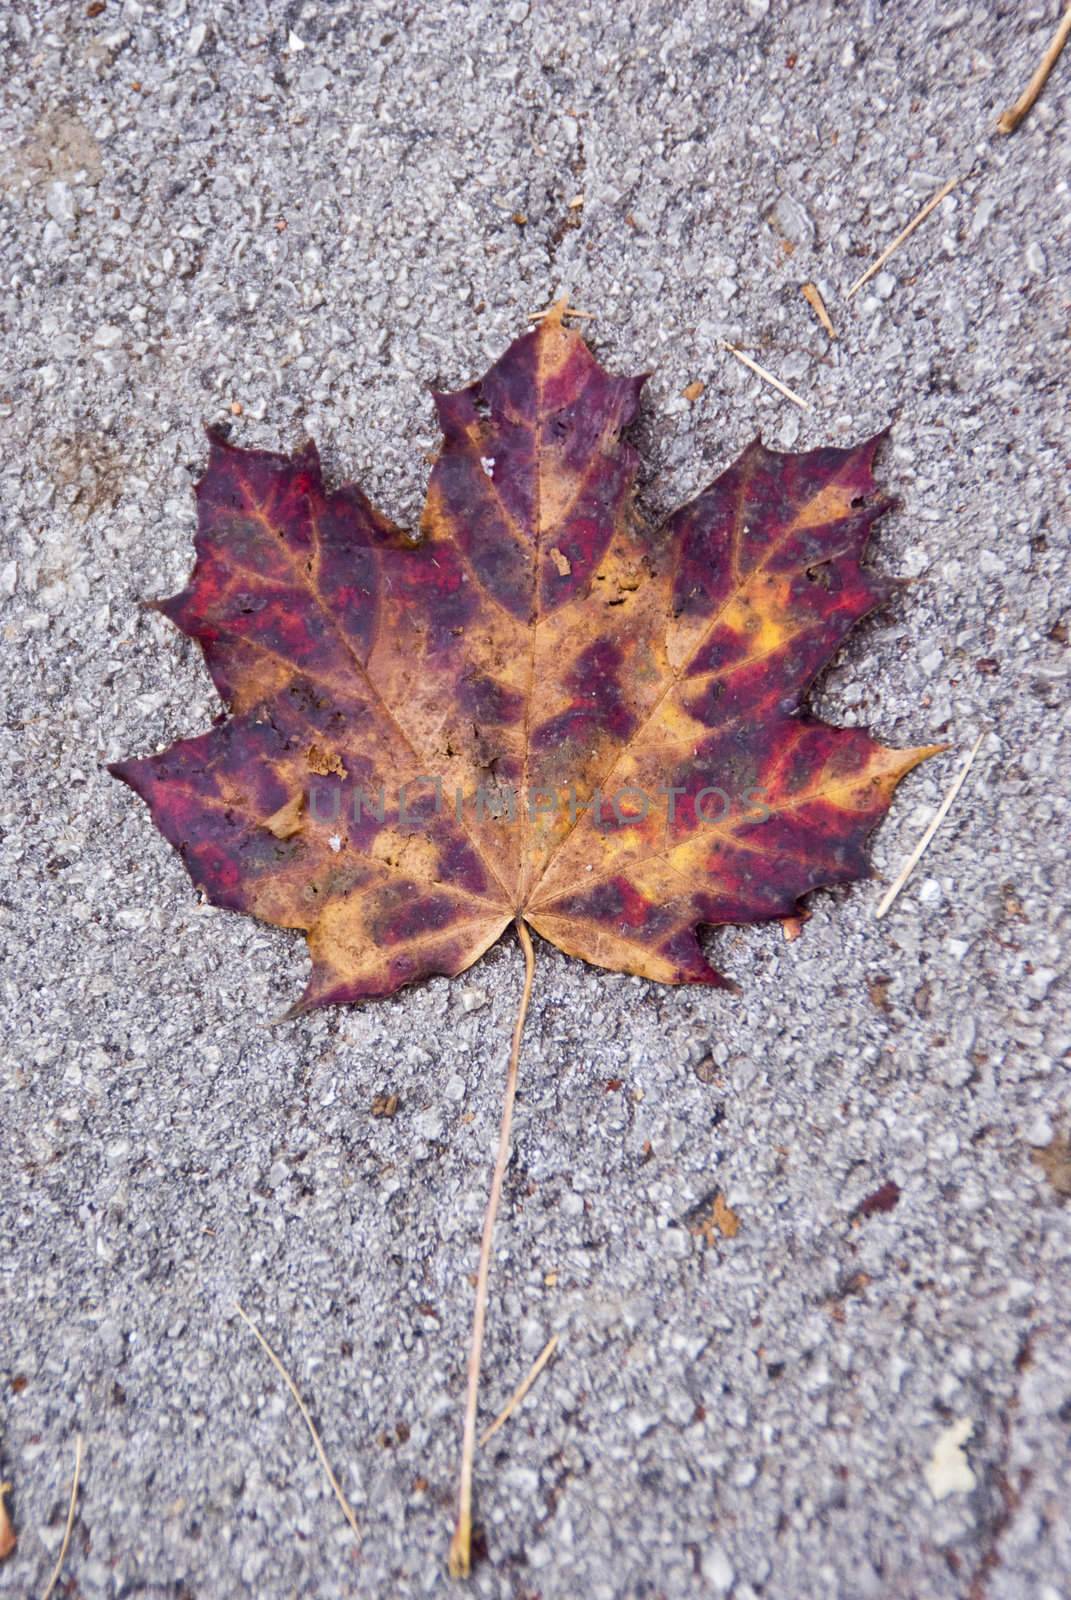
{"x": 312, "y": 212}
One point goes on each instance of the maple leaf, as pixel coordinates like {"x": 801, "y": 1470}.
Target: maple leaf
{"x": 537, "y": 712}
{"x": 538, "y": 709}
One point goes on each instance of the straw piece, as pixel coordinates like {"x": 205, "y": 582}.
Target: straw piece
{"x": 767, "y": 377}
{"x": 61, "y": 1558}
{"x": 942, "y": 812}
{"x": 347, "y": 1509}
{"x": 916, "y": 221}
{"x": 1011, "y": 118}
{"x": 521, "y": 1390}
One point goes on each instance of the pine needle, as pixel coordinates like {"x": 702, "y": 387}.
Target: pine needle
{"x": 1015, "y": 114}
{"x": 767, "y": 377}
{"x": 905, "y": 233}
{"x": 942, "y": 812}
{"x": 521, "y": 1390}
{"x": 61, "y": 1558}
{"x": 347, "y": 1509}
{"x": 460, "y": 1558}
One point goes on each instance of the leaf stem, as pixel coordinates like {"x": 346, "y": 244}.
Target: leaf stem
{"x": 460, "y": 1559}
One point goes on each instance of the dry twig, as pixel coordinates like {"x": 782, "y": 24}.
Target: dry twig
{"x": 61, "y": 1558}
{"x": 942, "y": 812}
{"x": 1011, "y": 118}
{"x": 460, "y": 1559}
{"x": 905, "y": 233}
{"x": 521, "y": 1390}
{"x": 347, "y": 1509}
{"x": 767, "y": 377}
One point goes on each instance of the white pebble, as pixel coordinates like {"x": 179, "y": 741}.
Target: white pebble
{"x": 1038, "y": 1132}
{"x": 948, "y": 1470}
{"x": 1037, "y": 982}
{"x": 429, "y": 1124}
{"x": 718, "y": 1570}
{"x": 59, "y": 203}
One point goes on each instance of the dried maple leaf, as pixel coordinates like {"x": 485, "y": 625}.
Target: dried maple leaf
{"x": 540, "y": 709}
{"x": 538, "y": 712}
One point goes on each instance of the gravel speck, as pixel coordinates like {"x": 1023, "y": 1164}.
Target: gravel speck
{"x": 718, "y": 1570}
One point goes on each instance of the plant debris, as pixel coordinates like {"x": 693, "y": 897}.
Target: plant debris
{"x": 1010, "y": 119}
{"x": 810, "y": 293}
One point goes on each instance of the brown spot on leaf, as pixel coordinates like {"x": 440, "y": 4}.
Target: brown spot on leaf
{"x": 324, "y": 762}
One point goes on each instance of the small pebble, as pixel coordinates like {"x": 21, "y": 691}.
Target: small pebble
{"x": 1036, "y": 260}
{"x": 718, "y": 1570}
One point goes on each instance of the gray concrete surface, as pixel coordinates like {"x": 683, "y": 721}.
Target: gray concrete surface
{"x": 306, "y": 209}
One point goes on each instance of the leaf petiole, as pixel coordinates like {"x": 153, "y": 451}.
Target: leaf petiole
{"x": 460, "y": 1558}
